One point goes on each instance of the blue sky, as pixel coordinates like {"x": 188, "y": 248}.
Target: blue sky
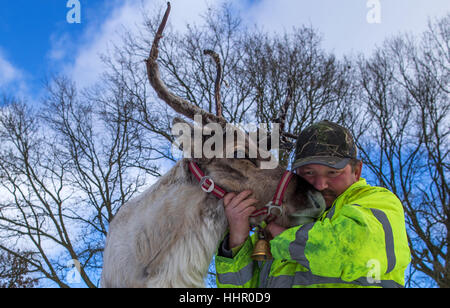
{"x": 29, "y": 31}
{"x": 36, "y": 40}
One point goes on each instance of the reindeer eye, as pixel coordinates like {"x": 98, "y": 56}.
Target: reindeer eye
{"x": 253, "y": 161}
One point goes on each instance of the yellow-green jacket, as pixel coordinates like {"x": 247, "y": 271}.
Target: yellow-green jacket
{"x": 359, "y": 242}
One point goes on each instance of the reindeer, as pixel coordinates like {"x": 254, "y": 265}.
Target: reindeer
{"x": 167, "y": 236}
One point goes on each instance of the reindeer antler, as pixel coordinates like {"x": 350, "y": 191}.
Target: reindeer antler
{"x": 177, "y": 103}
{"x": 216, "y": 59}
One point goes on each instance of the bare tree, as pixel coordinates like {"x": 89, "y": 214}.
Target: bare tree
{"x": 404, "y": 138}
{"x": 15, "y": 272}
{"x": 66, "y": 169}
{"x": 293, "y": 68}
{"x": 259, "y": 73}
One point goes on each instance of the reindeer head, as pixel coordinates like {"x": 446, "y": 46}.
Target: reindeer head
{"x": 237, "y": 160}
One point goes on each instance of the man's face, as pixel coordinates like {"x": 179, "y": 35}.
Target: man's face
{"x": 329, "y": 181}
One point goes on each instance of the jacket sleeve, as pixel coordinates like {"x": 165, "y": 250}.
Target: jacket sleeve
{"x": 344, "y": 245}
{"x": 240, "y": 271}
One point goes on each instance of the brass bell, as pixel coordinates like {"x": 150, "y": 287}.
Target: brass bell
{"x": 261, "y": 251}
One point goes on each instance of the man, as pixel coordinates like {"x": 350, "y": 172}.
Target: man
{"x": 359, "y": 241}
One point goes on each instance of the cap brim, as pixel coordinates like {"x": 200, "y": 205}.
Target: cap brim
{"x": 330, "y": 161}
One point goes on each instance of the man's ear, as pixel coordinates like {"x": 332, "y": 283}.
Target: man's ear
{"x": 358, "y": 170}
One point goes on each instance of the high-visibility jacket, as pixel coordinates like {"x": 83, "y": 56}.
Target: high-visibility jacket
{"x": 360, "y": 241}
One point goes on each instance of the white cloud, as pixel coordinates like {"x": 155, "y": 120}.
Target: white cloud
{"x": 343, "y": 25}
{"x": 60, "y": 45}
{"x": 8, "y": 73}
{"x": 98, "y": 38}
{"x": 12, "y": 79}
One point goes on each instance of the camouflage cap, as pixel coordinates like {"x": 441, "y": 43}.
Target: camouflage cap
{"x": 324, "y": 143}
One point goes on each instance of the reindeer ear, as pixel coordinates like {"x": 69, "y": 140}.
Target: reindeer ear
{"x": 188, "y": 138}
{"x": 177, "y": 120}
{"x": 183, "y": 133}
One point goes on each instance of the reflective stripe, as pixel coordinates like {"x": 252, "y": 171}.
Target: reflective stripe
{"x": 388, "y": 238}
{"x": 331, "y": 212}
{"x": 264, "y": 273}
{"x": 237, "y": 278}
{"x": 297, "y": 247}
{"x": 307, "y": 278}
{"x": 282, "y": 281}
{"x": 388, "y": 235}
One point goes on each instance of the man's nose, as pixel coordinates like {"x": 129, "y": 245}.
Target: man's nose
{"x": 320, "y": 183}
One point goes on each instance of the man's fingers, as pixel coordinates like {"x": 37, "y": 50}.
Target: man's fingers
{"x": 236, "y": 200}
{"x": 248, "y": 211}
{"x": 244, "y": 205}
{"x": 227, "y": 199}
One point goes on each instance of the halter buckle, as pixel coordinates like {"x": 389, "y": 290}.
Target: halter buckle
{"x": 203, "y": 180}
{"x": 270, "y": 206}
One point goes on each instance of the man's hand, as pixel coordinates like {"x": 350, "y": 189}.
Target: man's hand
{"x": 238, "y": 209}
{"x": 274, "y": 229}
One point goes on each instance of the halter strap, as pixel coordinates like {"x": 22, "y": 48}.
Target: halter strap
{"x": 207, "y": 184}
{"x": 277, "y": 201}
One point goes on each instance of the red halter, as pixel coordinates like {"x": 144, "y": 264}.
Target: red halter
{"x": 270, "y": 209}
{"x": 206, "y": 183}
{"x": 277, "y": 201}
